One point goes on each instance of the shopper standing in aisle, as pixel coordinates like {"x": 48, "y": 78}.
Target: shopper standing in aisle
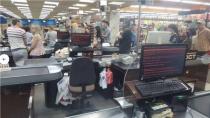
{"x": 17, "y": 41}
{"x": 51, "y": 37}
{"x": 203, "y": 37}
{"x": 106, "y": 31}
{"x": 125, "y": 41}
{"x": 175, "y": 34}
{"x": 29, "y": 36}
{"x": 134, "y": 35}
{"x": 37, "y": 48}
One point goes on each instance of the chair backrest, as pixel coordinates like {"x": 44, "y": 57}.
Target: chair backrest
{"x": 82, "y": 72}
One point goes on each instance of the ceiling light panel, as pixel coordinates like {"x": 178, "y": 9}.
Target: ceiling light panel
{"x": 23, "y": 7}
{"x": 18, "y": 4}
{"x": 51, "y": 3}
{"x": 73, "y": 7}
{"x": 89, "y": 11}
{"x": 49, "y": 6}
{"x": 6, "y": 11}
{"x": 116, "y": 3}
{"x": 190, "y": 2}
{"x": 87, "y": 1}
{"x": 80, "y": 5}
{"x": 19, "y": 1}
{"x": 94, "y": 9}
{"x": 161, "y": 8}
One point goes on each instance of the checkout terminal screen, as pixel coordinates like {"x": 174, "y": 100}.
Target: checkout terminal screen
{"x": 80, "y": 39}
{"x": 160, "y": 61}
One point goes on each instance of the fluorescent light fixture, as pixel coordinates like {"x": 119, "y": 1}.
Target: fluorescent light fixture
{"x": 134, "y": 6}
{"x": 61, "y": 13}
{"x": 103, "y": 2}
{"x": 45, "y": 12}
{"x": 195, "y": 2}
{"x": 47, "y": 9}
{"x": 80, "y": 5}
{"x": 22, "y": 7}
{"x": 89, "y": 11}
{"x": 161, "y": 8}
{"x": 172, "y": 0}
{"x": 18, "y": 4}
{"x": 116, "y": 3}
{"x": 26, "y": 11}
{"x": 51, "y": 3}
{"x": 73, "y": 7}
{"x": 48, "y": 6}
{"x": 190, "y": 2}
{"x": 94, "y": 9}
{"x": 87, "y": 1}
{"x": 74, "y": 15}
{"x": 22, "y": 1}
{"x": 80, "y": 12}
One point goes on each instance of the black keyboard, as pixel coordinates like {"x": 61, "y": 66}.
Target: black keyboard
{"x": 159, "y": 88}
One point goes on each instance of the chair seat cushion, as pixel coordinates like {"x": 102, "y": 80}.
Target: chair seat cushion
{"x": 78, "y": 89}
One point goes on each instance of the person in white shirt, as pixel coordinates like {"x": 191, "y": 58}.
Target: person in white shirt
{"x": 17, "y": 41}
{"x": 29, "y": 36}
{"x": 51, "y": 37}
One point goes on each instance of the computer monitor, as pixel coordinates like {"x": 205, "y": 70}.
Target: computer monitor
{"x": 162, "y": 61}
{"x": 158, "y": 37}
{"x": 80, "y": 39}
{"x": 63, "y": 35}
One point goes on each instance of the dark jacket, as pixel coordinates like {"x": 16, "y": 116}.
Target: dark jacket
{"x": 175, "y": 39}
{"x": 125, "y": 42}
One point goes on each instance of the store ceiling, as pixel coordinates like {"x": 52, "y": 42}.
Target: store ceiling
{"x": 35, "y": 6}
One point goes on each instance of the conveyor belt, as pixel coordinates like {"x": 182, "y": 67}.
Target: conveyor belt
{"x": 30, "y": 75}
{"x": 41, "y": 62}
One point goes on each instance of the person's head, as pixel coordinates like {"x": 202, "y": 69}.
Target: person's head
{"x": 27, "y": 29}
{"x": 133, "y": 28}
{"x": 35, "y": 29}
{"x": 173, "y": 28}
{"x": 105, "y": 23}
{"x": 16, "y": 22}
{"x": 9, "y": 25}
{"x": 200, "y": 25}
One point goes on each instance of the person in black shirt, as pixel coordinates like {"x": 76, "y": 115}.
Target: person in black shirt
{"x": 125, "y": 42}
{"x": 175, "y": 34}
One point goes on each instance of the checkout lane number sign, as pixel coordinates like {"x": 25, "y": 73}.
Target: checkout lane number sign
{"x": 4, "y": 59}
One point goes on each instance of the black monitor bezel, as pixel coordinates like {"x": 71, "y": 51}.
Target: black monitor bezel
{"x": 159, "y": 77}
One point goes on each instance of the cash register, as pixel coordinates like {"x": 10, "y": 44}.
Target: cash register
{"x": 160, "y": 65}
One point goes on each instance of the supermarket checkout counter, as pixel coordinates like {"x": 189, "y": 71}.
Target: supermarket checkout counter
{"x": 196, "y": 71}
{"x": 5, "y": 50}
{"x": 17, "y": 83}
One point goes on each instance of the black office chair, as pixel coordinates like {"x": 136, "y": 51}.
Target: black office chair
{"x": 82, "y": 79}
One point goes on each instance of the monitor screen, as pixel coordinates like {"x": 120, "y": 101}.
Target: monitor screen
{"x": 63, "y": 35}
{"x": 80, "y": 39}
{"x": 161, "y": 61}
{"x": 159, "y": 37}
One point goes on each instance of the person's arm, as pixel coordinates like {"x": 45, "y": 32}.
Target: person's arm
{"x": 46, "y": 37}
{"x": 24, "y": 38}
{"x": 34, "y": 42}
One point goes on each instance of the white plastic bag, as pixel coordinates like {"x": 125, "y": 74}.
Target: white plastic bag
{"x": 64, "y": 96}
{"x": 102, "y": 81}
